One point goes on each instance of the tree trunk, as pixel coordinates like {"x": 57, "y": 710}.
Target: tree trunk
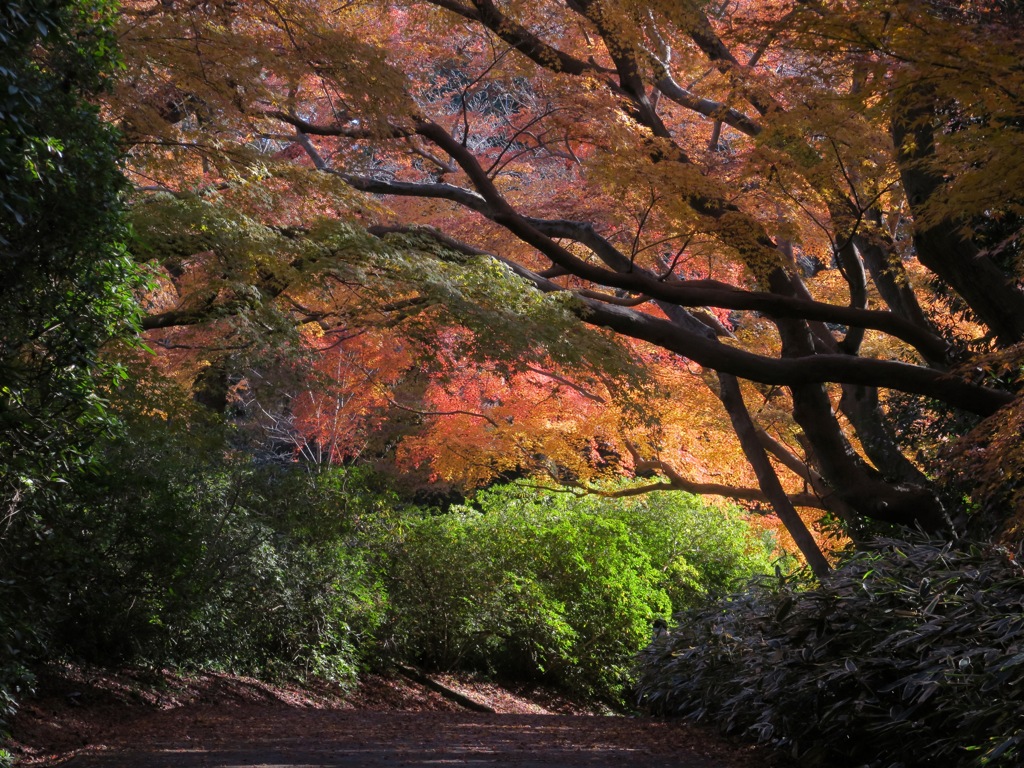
{"x": 942, "y": 247}
{"x": 746, "y": 431}
{"x": 860, "y": 405}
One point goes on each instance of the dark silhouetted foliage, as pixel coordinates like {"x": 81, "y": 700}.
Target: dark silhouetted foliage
{"x": 910, "y": 654}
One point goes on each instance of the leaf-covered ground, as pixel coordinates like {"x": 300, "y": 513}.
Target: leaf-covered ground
{"x": 88, "y": 718}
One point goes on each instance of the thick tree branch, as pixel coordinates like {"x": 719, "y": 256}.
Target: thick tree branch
{"x": 668, "y": 87}
{"x": 519, "y": 37}
{"x": 715, "y": 355}
{"x": 716, "y": 110}
{"x": 704, "y": 489}
{"x": 489, "y": 202}
{"x": 347, "y": 130}
{"x": 988, "y": 290}
{"x": 711, "y": 353}
{"x": 703, "y": 34}
{"x": 710, "y": 293}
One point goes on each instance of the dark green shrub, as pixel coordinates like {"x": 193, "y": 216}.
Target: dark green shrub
{"x": 180, "y": 549}
{"x": 17, "y": 641}
{"x": 65, "y": 279}
{"x": 65, "y": 288}
{"x": 910, "y": 654}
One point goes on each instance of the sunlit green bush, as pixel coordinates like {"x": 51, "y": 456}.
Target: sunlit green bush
{"x": 566, "y": 597}
{"x": 911, "y": 654}
{"x": 700, "y": 549}
{"x": 555, "y": 586}
{"x": 697, "y": 548}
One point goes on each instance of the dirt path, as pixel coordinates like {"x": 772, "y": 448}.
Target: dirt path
{"x": 392, "y": 739}
{"x": 93, "y": 719}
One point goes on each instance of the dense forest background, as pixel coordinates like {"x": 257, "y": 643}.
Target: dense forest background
{"x": 497, "y": 335}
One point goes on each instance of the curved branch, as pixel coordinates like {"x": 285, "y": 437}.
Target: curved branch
{"x": 815, "y": 369}
{"x": 519, "y": 37}
{"x": 709, "y": 352}
{"x": 712, "y": 293}
{"x": 716, "y": 110}
{"x": 571, "y": 384}
{"x": 348, "y": 131}
{"x": 705, "y": 489}
{"x": 457, "y": 412}
{"x": 745, "y": 430}
{"x": 175, "y": 318}
{"x": 538, "y": 233}
{"x": 438, "y": 191}
{"x": 622, "y": 301}
{"x": 704, "y": 35}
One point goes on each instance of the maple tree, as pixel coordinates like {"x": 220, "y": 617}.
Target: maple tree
{"x": 787, "y": 195}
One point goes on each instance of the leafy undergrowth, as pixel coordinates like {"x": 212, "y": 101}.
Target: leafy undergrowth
{"x": 911, "y": 654}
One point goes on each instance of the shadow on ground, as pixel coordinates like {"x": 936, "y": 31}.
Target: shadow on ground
{"x": 95, "y": 718}
{"x": 322, "y": 739}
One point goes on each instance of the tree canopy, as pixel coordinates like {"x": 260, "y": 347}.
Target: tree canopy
{"x": 807, "y": 211}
